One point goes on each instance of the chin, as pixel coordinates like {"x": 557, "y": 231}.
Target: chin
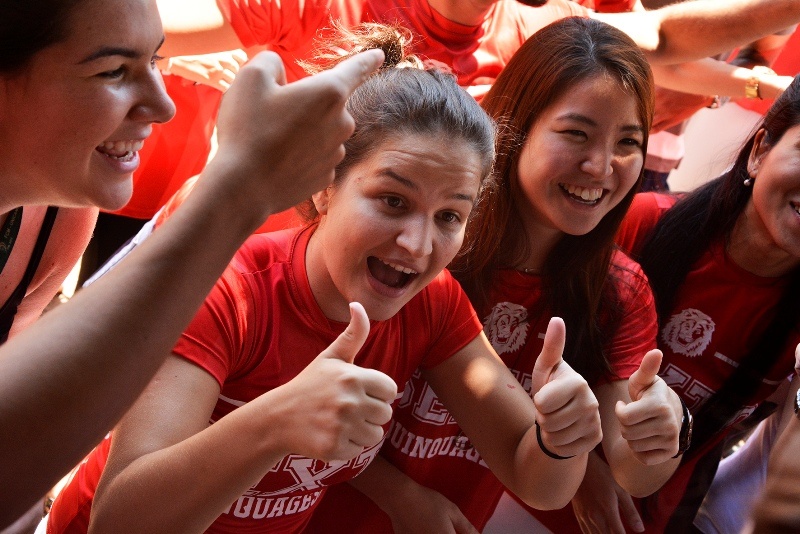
{"x": 113, "y": 198}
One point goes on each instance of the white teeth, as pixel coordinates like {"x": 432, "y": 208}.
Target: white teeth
{"x": 120, "y": 149}
{"x": 400, "y": 268}
{"x": 589, "y": 195}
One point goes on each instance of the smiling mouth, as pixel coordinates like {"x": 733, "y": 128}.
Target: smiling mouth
{"x": 390, "y": 274}
{"x": 584, "y": 195}
{"x": 796, "y": 207}
{"x": 120, "y": 150}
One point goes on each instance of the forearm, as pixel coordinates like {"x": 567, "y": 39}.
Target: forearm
{"x": 185, "y": 487}
{"x": 385, "y": 485}
{"x": 633, "y": 476}
{"x": 712, "y": 77}
{"x": 76, "y": 371}
{"x": 693, "y": 30}
{"x": 531, "y": 466}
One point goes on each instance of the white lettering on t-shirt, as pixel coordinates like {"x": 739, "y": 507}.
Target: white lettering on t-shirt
{"x": 506, "y": 327}
{"x": 688, "y": 332}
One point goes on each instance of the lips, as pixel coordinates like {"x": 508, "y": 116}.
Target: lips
{"x": 390, "y": 274}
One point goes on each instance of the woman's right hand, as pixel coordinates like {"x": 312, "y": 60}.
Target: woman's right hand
{"x": 279, "y": 143}
{"x": 334, "y": 409}
{"x": 566, "y": 408}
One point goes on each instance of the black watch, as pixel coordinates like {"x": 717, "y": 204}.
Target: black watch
{"x": 685, "y": 436}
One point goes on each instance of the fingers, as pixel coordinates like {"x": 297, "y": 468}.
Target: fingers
{"x": 349, "y": 342}
{"x": 462, "y": 525}
{"x": 550, "y": 357}
{"x": 646, "y": 375}
{"x": 271, "y": 65}
{"x": 630, "y": 515}
{"x": 353, "y": 71}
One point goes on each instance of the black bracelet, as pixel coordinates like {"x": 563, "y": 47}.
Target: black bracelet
{"x": 685, "y": 435}
{"x": 544, "y": 449}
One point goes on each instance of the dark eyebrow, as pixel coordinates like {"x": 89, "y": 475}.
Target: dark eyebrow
{"x": 107, "y": 51}
{"x": 411, "y": 185}
{"x": 577, "y": 117}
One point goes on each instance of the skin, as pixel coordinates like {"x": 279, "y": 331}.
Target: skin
{"x": 578, "y": 144}
{"x": 80, "y": 90}
{"x": 678, "y": 33}
{"x": 94, "y": 344}
{"x": 413, "y": 221}
{"x": 766, "y": 238}
{"x": 404, "y": 218}
{"x": 589, "y": 142}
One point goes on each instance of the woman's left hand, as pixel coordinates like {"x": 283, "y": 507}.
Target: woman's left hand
{"x": 651, "y": 422}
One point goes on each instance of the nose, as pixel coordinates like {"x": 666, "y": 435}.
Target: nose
{"x": 416, "y": 237}
{"x": 154, "y": 104}
{"x": 598, "y": 162}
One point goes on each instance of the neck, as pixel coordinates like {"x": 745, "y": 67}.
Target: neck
{"x": 751, "y": 247}
{"x": 333, "y": 305}
{"x": 466, "y": 12}
{"x": 541, "y": 242}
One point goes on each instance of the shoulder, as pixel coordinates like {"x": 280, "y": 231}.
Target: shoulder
{"x": 642, "y": 217}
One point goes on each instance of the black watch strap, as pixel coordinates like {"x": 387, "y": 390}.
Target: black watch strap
{"x": 685, "y": 436}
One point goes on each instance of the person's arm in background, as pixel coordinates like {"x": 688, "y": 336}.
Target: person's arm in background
{"x": 712, "y": 77}
{"x": 195, "y": 27}
{"x": 694, "y": 30}
{"x": 67, "y": 379}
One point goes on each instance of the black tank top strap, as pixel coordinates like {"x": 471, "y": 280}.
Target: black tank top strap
{"x": 9, "y": 309}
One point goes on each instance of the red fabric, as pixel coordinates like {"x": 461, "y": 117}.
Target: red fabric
{"x": 175, "y": 150}
{"x": 259, "y": 327}
{"x": 476, "y": 54}
{"x": 719, "y": 313}
{"x": 423, "y": 438}
{"x": 279, "y": 221}
{"x": 608, "y": 6}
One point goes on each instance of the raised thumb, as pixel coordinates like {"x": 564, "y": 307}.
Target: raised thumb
{"x": 550, "y": 357}
{"x": 645, "y": 375}
{"x": 346, "y": 346}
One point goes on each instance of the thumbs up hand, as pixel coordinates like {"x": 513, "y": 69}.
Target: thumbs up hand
{"x": 651, "y": 422}
{"x": 566, "y": 409}
{"x": 334, "y": 409}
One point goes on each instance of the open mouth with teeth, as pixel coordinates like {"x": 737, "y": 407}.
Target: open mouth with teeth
{"x": 795, "y": 206}
{"x": 120, "y": 150}
{"x": 584, "y": 195}
{"x": 390, "y": 274}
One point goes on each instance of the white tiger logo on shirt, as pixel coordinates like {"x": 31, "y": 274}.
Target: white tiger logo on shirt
{"x": 688, "y": 332}
{"x": 507, "y": 327}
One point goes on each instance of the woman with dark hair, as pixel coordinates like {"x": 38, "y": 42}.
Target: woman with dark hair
{"x": 244, "y": 427}
{"x": 723, "y": 264}
{"x": 78, "y": 94}
{"x": 575, "y": 105}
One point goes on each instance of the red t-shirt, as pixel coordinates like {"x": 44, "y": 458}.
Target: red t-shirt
{"x": 259, "y": 327}
{"x": 719, "y": 313}
{"x": 425, "y": 442}
{"x": 476, "y": 54}
{"x": 176, "y": 150}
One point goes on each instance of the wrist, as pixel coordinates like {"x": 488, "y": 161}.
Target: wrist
{"x": 752, "y": 88}
{"x": 685, "y": 435}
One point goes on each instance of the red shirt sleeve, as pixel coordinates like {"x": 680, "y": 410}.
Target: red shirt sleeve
{"x": 638, "y": 327}
{"x": 641, "y": 219}
{"x": 454, "y": 323}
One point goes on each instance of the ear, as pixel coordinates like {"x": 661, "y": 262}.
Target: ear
{"x": 757, "y": 153}
{"x": 321, "y": 200}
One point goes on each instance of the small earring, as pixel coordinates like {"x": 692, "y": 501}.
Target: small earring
{"x": 748, "y": 182}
